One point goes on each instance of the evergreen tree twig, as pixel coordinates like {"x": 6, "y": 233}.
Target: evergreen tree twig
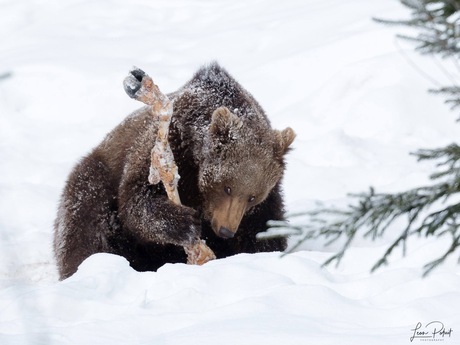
{"x": 423, "y": 208}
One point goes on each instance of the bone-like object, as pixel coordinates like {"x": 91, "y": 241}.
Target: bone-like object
{"x": 140, "y": 86}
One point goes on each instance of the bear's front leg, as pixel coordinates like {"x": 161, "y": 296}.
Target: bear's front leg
{"x": 147, "y": 213}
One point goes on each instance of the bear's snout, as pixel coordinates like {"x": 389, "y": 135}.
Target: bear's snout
{"x": 225, "y": 233}
{"x": 226, "y": 216}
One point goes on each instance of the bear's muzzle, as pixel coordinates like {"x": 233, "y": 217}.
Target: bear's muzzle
{"x": 226, "y": 216}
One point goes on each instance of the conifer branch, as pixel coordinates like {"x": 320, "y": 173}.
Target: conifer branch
{"x": 438, "y": 26}
{"x": 373, "y": 213}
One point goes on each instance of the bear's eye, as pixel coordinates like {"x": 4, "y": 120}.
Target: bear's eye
{"x": 251, "y": 198}
{"x": 228, "y": 190}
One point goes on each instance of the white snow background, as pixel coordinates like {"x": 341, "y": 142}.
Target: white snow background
{"x": 323, "y": 67}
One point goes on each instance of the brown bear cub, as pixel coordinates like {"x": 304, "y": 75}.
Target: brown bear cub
{"x": 230, "y": 164}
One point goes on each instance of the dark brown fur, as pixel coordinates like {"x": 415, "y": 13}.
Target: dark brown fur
{"x": 221, "y": 138}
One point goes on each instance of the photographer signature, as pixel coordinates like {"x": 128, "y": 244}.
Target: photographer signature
{"x": 433, "y": 331}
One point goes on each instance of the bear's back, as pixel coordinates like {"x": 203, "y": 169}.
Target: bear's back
{"x": 212, "y": 87}
{"x": 128, "y": 138}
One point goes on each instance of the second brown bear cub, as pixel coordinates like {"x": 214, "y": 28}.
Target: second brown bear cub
{"x": 230, "y": 162}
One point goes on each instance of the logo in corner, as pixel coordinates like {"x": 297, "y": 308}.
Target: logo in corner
{"x": 432, "y": 331}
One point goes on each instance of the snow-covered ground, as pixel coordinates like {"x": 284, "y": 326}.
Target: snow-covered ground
{"x": 320, "y": 66}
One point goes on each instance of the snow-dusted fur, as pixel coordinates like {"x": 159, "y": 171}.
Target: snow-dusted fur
{"x": 230, "y": 162}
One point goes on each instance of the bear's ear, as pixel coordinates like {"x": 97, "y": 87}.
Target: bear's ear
{"x": 222, "y": 121}
{"x": 283, "y": 139}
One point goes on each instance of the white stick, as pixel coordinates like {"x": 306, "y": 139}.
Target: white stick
{"x": 141, "y": 87}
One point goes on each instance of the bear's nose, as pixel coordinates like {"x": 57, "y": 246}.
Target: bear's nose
{"x": 225, "y": 233}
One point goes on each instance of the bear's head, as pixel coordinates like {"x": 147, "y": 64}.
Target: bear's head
{"x": 242, "y": 161}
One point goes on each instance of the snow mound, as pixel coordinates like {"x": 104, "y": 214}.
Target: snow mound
{"x": 245, "y": 299}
